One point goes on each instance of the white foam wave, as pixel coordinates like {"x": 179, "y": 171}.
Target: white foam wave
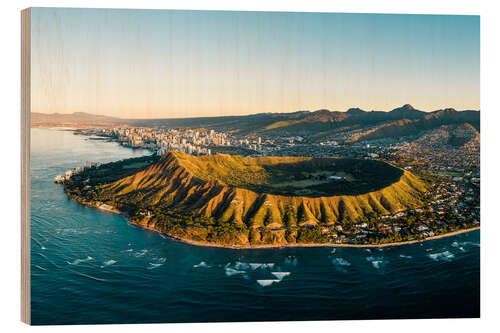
{"x": 280, "y": 275}
{"x": 341, "y": 262}
{"x": 377, "y": 262}
{"x": 140, "y": 253}
{"x": 160, "y": 260}
{"x": 265, "y": 283}
{"x": 201, "y": 265}
{"x": 231, "y": 271}
{"x": 442, "y": 256}
{"x": 254, "y": 266}
{"x": 462, "y": 245}
{"x": 241, "y": 265}
{"x": 79, "y": 261}
{"x": 405, "y": 256}
{"x": 110, "y": 262}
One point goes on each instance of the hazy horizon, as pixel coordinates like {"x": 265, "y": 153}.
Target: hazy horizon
{"x": 249, "y": 114}
{"x": 179, "y": 64}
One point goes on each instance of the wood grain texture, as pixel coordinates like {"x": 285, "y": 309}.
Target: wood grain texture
{"x": 25, "y": 164}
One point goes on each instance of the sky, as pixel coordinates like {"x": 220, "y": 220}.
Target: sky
{"x": 168, "y": 64}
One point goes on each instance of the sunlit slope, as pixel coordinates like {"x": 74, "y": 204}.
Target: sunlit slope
{"x": 228, "y": 189}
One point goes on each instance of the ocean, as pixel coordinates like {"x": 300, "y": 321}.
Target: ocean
{"x": 94, "y": 267}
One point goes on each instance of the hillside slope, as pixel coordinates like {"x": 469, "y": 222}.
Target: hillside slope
{"x": 215, "y": 191}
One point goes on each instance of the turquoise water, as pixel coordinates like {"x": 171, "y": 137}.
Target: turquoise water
{"x": 90, "y": 266}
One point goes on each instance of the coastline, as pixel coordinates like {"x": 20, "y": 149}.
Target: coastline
{"x": 269, "y": 246}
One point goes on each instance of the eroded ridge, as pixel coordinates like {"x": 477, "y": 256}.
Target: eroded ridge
{"x": 243, "y": 201}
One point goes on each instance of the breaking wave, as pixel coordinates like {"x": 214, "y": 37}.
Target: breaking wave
{"x": 280, "y": 275}
{"x": 377, "y": 262}
{"x": 442, "y": 256}
{"x": 231, "y": 271}
{"x": 265, "y": 283}
{"x": 110, "y": 262}
{"x": 202, "y": 265}
{"x": 79, "y": 261}
{"x": 340, "y": 262}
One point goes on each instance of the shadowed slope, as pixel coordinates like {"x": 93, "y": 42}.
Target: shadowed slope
{"x": 219, "y": 188}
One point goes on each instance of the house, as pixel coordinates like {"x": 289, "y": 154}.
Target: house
{"x": 422, "y": 227}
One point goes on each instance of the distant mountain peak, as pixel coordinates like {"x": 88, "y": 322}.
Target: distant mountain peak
{"x": 321, "y": 111}
{"x": 355, "y": 111}
{"x": 406, "y": 107}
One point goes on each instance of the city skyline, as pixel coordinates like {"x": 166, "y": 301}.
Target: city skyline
{"x": 173, "y": 64}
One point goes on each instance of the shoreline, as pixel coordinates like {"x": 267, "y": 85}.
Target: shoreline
{"x": 270, "y": 246}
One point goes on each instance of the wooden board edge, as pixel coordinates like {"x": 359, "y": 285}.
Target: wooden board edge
{"x": 25, "y": 164}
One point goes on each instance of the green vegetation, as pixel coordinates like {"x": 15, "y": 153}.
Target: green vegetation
{"x": 230, "y": 200}
{"x": 295, "y": 176}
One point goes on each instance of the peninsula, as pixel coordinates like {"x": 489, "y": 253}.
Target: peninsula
{"x": 234, "y": 201}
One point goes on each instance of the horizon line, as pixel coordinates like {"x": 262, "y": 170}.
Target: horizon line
{"x": 253, "y": 114}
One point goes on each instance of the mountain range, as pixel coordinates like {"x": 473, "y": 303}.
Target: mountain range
{"x": 401, "y": 121}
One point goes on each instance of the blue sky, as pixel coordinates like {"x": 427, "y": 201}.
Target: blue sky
{"x": 159, "y": 63}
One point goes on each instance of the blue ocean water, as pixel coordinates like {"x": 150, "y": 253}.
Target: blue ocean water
{"x": 89, "y": 266}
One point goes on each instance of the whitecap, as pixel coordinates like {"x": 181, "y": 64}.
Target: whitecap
{"x": 160, "y": 260}
{"x": 377, "y": 262}
{"x": 141, "y": 253}
{"x": 405, "y": 256}
{"x": 280, "y": 275}
{"x": 78, "y": 261}
{"x": 341, "y": 262}
{"x": 201, "y": 265}
{"x": 153, "y": 265}
{"x": 40, "y": 268}
{"x": 333, "y": 251}
{"x": 468, "y": 244}
{"x": 442, "y": 256}
{"x": 241, "y": 265}
{"x": 254, "y": 266}
{"x": 265, "y": 283}
{"x": 231, "y": 271}
{"x": 110, "y": 262}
